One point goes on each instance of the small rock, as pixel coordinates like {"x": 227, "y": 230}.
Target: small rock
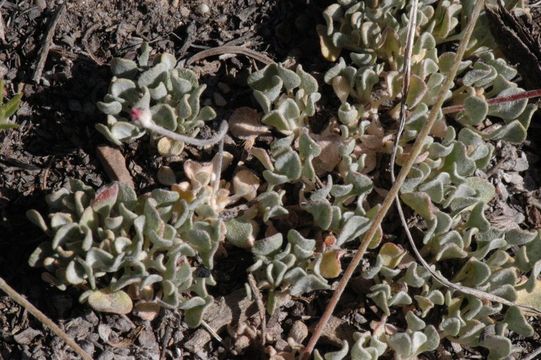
{"x": 359, "y": 319}
{"x": 514, "y": 178}
{"x": 88, "y": 346}
{"x": 147, "y": 339}
{"x": 92, "y": 318}
{"x": 336, "y": 330}
{"x": 78, "y": 328}
{"x": 115, "y": 164}
{"x": 42, "y": 4}
{"x": 299, "y": 331}
{"x": 26, "y": 336}
{"x": 242, "y": 343}
{"x": 104, "y": 331}
{"x": 224, "y": 88}
{"x": 122, "y": 324}
{"x": 184, "y": 11}
{"x": 202, "y": 9}
{"x": 219, "y": 99}
{"x": 106, "y": 355}
{"x": 281, "y": 345}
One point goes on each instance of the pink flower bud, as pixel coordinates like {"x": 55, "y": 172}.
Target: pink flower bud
{"x": 141, "y": 116}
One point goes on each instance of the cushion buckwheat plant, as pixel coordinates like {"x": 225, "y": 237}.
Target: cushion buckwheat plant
{"x": 446, "y": 187}
{"x": 299, "y": 203}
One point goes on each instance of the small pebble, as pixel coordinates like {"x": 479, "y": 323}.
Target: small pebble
{"x": 359, "y": 319}
{"x": 42, "y": 4}
{"x": 299, "y": 331}
{"x": 106, "y": 355}
{"x": 184, "y": 11}
{"x": 281, "y": 345}
{"x": 203, "y": 9}
{"x": 224, "y": 88}
{"x": 219, "y": 99}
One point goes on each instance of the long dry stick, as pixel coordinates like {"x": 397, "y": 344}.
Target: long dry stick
{"x": 393, "y": 192}
{"x": 12, "y": 293}
{"x": 403, "y": 109}
{"x": 47, "y": 41}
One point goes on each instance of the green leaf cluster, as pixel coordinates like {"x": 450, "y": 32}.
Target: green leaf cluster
{"x": 172, "y": 93}
{"x": 8, "y": 108}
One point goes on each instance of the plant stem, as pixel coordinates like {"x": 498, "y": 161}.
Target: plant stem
{"x": 393, "y": 192}
{"x": 12, "y": 293}
{"x": 498, "y": 100}
{"x": 186, "y": 139}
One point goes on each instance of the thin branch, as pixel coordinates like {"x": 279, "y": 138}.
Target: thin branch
{"x": 189, "y": 140}
{"x": 498, "y": 100}
{"x": 12, "y": 293}
{"x": 212, "y": 332}
{"x": 435, "y": 275}
{"x": 143, "y": 117}
{"x": 229, "y": 49}
{"x": 47, "y": 41}
{"x": 393, "y": 192}
{"x": 260, "y": 306}
{"x": 533, "y": 355}
{"x": 218, "y": 166}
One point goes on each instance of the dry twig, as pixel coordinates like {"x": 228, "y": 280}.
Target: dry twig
{"x": 47, "y": 41}
{"x": 12, "y": 293}
{"x": 260, "y": 307}
{"x": 2, "y": 28}
{"x": 533, "y": 355}
{"x": 86, "y": 45}
{"x": 228, "y": 49}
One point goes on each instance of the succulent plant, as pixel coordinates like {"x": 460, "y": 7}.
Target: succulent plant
{"x": 156, "y": 249}
{"x": 314, "y": 196}
{"x": 287, "y": 97}
{"x": 338, "y": 211}
{"x": 375, "y": 44}
{"x": 8, "y": 108}
{"x": 446, "y": 188}
{"x": 295, "y": 268}
{"x": 111, "y": 243}
{"x": 171, "y": 93}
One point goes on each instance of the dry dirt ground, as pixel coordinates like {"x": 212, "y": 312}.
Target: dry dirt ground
{"x": 56, "y": 140}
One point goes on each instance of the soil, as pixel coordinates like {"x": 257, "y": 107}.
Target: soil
{"x": 56, "y": 140}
